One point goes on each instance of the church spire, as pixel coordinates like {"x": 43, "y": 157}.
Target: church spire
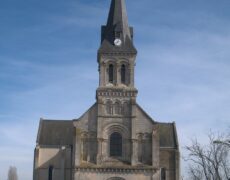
{"x": 117, "y": 36}
{"x": 118, "y": 20}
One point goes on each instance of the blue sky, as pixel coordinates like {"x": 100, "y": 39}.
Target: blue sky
{"x": 48, "y": 66}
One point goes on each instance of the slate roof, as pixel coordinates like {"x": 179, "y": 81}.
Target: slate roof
{"x": 117, "y": 22}
{"x": 54, "y": 132}
{"x": 117, "y": 19}
{"x": 167, "y": 132}
{"x": 168, "y": 135}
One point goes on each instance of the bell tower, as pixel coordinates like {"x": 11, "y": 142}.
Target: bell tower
{"x": 116, "y": 94}
{"x": 116, "y": 55}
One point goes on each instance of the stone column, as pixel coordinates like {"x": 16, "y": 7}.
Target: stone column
{"x": 103, "y": 74}
{"x": 105, "y": 153}
{"x": 133, "y": 117}
{"x": 99, "y": 129}
{"x": 115, "y": 78}
{"x": 99, "y": 153}
{"x": 131, "y": 74}
{"x": 155, "y": 147}
{"x": 127, "y": 74}
{"x": 177, "y": 164}
{"x": 134, "y": 159}
{"x": 36, "y": 154}
{"x": 62, "y": 172}
{"x": 118, "y": 73}
{"x": 77, "y": 147}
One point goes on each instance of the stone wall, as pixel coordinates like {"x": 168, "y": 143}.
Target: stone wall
{"x": 59, "y": 158}
{"x": 107, "y": 174}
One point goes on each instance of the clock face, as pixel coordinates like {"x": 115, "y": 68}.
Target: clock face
{"x": 117, "y": 42}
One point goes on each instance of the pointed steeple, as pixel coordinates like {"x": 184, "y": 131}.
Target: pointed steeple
{"x": 118, "y": 20}
{"x": 117, "y": 28}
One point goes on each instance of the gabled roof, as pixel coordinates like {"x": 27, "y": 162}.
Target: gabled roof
{"x": 54, "y": 132}
{"x": 167, "y": 132}
{"x": 117, "y": 22}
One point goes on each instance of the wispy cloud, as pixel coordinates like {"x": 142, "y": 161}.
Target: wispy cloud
{"x": 188, "y": 78}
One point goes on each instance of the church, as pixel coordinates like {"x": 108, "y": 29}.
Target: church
{"x": 115, "y": 139}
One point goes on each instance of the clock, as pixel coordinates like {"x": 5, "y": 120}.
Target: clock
{"x": 117, "y": 42}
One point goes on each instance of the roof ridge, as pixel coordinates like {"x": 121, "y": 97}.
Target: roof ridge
{"x": 59, "y": 120}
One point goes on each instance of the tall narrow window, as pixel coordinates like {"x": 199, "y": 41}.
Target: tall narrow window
{"x": 116, "y": 145}
{"x": 111, "y": 73}
{"x": 109, "y": 107}
{"x": 140, "y": 148}
{"x": 163, "y": 174}
{"x": 117, "y": 108}
{"x": 123, "y": 72}
{"x": 85, "y": 149}
{"x": 50, "y": 175}
{"x": 126, "y": 108}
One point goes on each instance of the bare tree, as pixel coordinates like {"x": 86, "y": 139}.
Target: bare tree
{"x": 210, "y": 161}
{"x": 12, "y": 173}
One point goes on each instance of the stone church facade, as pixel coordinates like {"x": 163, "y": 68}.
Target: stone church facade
{"x": 115, "y": 139}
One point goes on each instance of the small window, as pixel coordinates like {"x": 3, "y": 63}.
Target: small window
{"x": 116, "y": 145}
{"x": 123, "y": 72}
{"x": 50, "y": 176}
{"x": 111, "y": 73}
{"x": 163, "y": 174}
{"x": 118, "y": 34}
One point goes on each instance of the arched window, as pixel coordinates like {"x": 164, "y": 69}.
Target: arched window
{"x": 126, "y": 110}
{"x": 123, "y": 72}
{"x": 116, "y": 145}
{"x": 163, "y": 174}
{"x": 109, "y": 107}
{"x": 50, "y": 175}
{"x": 117, "y": 108}
{"x": 111, "y": 73}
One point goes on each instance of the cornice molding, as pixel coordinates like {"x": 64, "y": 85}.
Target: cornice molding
{"x": 116, "y": 93}
{"x": 130, "y": 54}
{"x": 130, "y": 169}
